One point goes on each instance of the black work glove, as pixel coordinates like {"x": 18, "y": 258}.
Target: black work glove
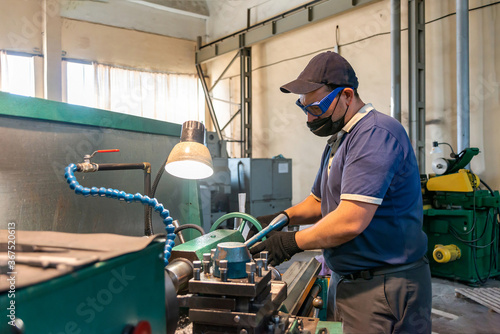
{"x": 264, "y": 222}
{"x": 281, "y": 247}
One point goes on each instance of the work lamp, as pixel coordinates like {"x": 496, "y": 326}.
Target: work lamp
{"x": 190, "y": 158}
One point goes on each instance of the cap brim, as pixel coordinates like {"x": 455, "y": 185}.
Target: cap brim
{"x": 300, "y": 87}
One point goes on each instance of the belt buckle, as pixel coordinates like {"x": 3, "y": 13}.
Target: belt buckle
{"x": 350, "y": 277}
{"x": 366, "y": 274}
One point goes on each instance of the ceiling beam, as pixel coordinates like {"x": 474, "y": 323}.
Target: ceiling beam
{"x": 293, "y": 19}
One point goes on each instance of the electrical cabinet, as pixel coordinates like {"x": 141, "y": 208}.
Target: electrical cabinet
{"x": 266, "y": 182}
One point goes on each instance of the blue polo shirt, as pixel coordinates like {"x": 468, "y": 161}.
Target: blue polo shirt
{"x": 374, "y": 163}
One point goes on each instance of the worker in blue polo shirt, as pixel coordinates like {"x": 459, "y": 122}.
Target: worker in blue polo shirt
{"x": 365, "y": 207}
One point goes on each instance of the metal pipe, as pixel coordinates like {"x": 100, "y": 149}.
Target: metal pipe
{"x": 179, "y": 233}
{"x": 148, "y": 211}
{"x": 120, "y": 166}
{"x": 463, "y": 103}
{"x": 396, "y": 59}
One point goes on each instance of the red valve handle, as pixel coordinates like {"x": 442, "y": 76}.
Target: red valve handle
{"x": 108, "y": 151}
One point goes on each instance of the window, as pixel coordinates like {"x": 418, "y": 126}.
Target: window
{"x": 17, "y": 74}
{"x": 163, "y": 96}
{"x": 80, "y": 84}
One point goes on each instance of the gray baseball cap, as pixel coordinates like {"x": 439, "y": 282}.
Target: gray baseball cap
{"x": 327, "y": 68}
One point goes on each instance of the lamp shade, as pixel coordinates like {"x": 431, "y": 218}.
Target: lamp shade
{"x": 190, "y": 159}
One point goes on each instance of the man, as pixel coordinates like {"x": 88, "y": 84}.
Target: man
{"x": 365, "y": 204}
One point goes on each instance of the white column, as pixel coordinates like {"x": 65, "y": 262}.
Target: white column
{"x": 52, "y": 50}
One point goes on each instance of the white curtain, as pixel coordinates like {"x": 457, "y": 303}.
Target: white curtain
{"x": 162, "y": 96}
{"x": 3, "y": 69}
{"x": 17, "y": 74}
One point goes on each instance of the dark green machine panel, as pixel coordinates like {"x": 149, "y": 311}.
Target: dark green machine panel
{"x": 475, "y": 232}
{"x": 102, "y": 298}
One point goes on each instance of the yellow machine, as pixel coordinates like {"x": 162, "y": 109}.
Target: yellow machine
{"x": 461, "y": 221}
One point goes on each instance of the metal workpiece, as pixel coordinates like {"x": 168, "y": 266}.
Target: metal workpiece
{"x": 180, "y": 271}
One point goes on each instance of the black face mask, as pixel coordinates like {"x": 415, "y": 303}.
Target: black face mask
{"x": 324, "y": 127}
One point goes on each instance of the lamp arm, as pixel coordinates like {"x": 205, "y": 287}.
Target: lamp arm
{"x": 453, "y": 155}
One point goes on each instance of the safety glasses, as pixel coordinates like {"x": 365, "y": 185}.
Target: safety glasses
{"x": 319, "y": 108}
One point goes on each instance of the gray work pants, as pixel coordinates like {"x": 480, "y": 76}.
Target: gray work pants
{"x": 398, "y": 302}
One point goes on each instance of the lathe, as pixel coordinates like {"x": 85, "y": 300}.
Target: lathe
{"x": 105, "y": 283}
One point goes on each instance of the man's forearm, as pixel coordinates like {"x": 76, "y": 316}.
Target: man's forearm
{"x": 306, "y": 212}
{"x": 340, "y": 226}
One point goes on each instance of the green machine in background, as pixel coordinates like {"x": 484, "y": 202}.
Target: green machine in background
{"x": 461, "y": 221}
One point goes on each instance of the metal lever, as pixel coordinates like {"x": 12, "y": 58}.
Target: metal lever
{"x": 276, "y": 223}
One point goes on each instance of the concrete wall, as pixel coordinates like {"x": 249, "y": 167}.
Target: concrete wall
{"x": 111, "y": 45}
{"x": 279, "y": 126}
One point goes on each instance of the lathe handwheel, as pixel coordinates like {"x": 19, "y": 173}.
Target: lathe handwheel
{"x": 244, "y": 216}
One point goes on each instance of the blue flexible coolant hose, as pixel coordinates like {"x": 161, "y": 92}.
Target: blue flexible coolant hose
{"x": 129, "y": 198}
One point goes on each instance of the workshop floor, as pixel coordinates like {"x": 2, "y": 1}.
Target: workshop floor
{"x": 450, "y": 314}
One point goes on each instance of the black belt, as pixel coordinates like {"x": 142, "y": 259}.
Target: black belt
{"x": 369, "y": 273}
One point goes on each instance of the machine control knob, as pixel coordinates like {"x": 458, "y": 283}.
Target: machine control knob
{"x": 318, "y": 305}
{"x": 318, "y": 302}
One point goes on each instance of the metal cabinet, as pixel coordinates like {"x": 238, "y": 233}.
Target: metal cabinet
{"x": 266, "y": 182}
